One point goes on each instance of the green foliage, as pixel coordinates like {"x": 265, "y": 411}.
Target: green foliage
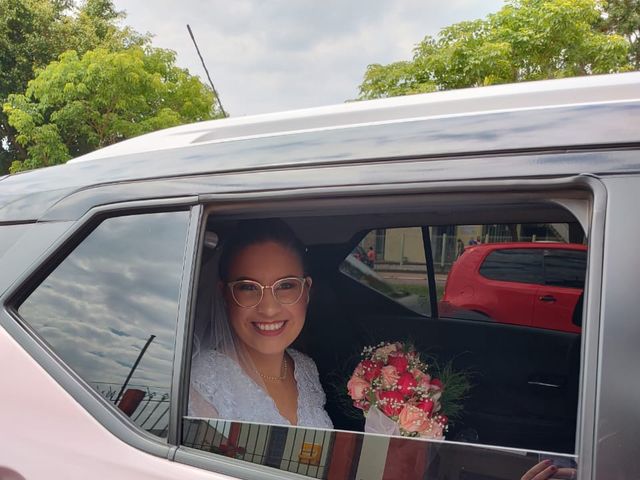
{"x": 457, "y": 387}
{"x": 392, "y": 80}
{"x": 525, "y": 40}
{"x": 73, "y": 80}
{"x": 34, "y": 33}
{"x": 79, "y": 103}
{"x": 623, "y": 17}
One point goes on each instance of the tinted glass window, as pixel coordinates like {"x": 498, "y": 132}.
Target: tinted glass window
{"x": 565, "y": 268}
{"x": 110, "y": 309}
{"x": 515, "y": 265}
{"x": 392, "y": 262}
{"x": 328, "y": 454}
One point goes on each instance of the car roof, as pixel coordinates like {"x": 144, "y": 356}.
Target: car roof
{"x": 462, "y": 102}
{"x": 527, "y": 245}
{"x": 576, "y": 113}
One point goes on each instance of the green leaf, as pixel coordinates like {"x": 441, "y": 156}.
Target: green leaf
{"x": 524, "y": 40}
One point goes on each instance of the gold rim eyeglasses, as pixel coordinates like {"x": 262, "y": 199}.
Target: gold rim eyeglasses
{"x": 249, "y": 293}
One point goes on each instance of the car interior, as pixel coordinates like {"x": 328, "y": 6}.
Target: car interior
{"x": 524, "y": 380}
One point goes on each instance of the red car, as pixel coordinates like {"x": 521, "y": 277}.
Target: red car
{"x": 533, "y": 284}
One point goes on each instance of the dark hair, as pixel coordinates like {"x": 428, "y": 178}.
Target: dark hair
{"x": 252, "y": 232}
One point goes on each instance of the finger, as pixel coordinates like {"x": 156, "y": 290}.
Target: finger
{"x": 538, "y": 469}
{"x": 547, "y": 473}
{"x": 566, "y": 473}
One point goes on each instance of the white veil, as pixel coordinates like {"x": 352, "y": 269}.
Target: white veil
{"x": 213, "y": 336}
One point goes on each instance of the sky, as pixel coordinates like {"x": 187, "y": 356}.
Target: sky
{"x": 275, "y": 55}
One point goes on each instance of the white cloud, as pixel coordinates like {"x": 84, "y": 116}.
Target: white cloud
{"x": 278, "y": 55}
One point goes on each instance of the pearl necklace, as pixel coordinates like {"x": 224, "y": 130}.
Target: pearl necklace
{"x": 274, "y": 378}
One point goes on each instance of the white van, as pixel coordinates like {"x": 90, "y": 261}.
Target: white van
{"x": 107, "y": 265}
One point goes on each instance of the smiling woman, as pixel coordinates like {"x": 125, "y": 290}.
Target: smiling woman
{"x": 246, "y": 371}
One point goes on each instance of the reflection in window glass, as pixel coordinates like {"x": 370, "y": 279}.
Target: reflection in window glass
{"x": 113, "y": 302}
{"x": 339, "y": 454}
{"x": 392, "y": 262}
{"x": 303, "y": 451}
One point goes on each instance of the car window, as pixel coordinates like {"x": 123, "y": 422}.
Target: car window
{"x": 392, "y": 262}
{"x": 513, "y": 265}
{"x": 524, "y": 394}
{"x": 565, "y": 268}
{"x": 109, "y": 311}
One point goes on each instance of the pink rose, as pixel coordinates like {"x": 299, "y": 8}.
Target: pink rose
{"x": 389, "y": 376}
{"x": 391, "y": 403}
{"x": 434, "y": 430}
{"x": 406, "y": 384}
{"x": 413, "y": 419}
{"x": 424, "y": 379}
{"x": 436, "y": 383}
{"x": 426, "y": 406}
{"x": 371, "y": 369}
{"x": 359, "y": 371}
{"x": 357, "y": 387}
{"x": 399, "y": 361}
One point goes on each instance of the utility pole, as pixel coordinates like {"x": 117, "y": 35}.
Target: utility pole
{"x": 207, "y": 72}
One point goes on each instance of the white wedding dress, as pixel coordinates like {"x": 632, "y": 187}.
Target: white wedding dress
{"x": 220, "y": 381}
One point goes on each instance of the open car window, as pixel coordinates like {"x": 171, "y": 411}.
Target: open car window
{"x": 375, "y": 281}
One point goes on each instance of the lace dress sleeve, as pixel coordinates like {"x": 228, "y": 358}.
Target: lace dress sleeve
{"x": 207, "y": 396}
{"x": 311, "y": 396}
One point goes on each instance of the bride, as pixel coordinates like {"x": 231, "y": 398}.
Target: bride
{"x": 248, "y": 372}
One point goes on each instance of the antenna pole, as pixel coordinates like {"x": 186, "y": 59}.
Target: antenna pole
{"x": 133, "y": 369}
{"x": 207, "y": 72}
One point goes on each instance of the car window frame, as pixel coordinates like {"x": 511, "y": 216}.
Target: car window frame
{"x": 591, "y": 217}
{"x": 95, "y": 404}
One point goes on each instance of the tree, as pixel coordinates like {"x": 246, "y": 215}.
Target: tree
{"x": 79, "y": 103}
{"x": 623, "y": 17}
{"x": 525, "y": 40}
{"x": 26, "y": 39}
{"x": 35, "y": 32}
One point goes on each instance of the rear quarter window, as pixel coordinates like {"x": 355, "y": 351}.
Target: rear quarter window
{"x": 109, "y": 311}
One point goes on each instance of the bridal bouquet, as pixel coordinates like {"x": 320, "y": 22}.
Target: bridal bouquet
{"x": 397, "y": 394}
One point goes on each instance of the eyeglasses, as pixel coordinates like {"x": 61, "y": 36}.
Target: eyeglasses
{"x": 286, "y": 291}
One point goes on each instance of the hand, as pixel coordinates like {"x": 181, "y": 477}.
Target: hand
{"x": 547, "y": 470}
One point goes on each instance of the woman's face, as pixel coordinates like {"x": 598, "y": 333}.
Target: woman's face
{"x": 269, "y": 327}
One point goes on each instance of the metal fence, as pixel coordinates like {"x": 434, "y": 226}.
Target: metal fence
{"x": 150, "y": 410}
{"x": 293, "y": 449}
